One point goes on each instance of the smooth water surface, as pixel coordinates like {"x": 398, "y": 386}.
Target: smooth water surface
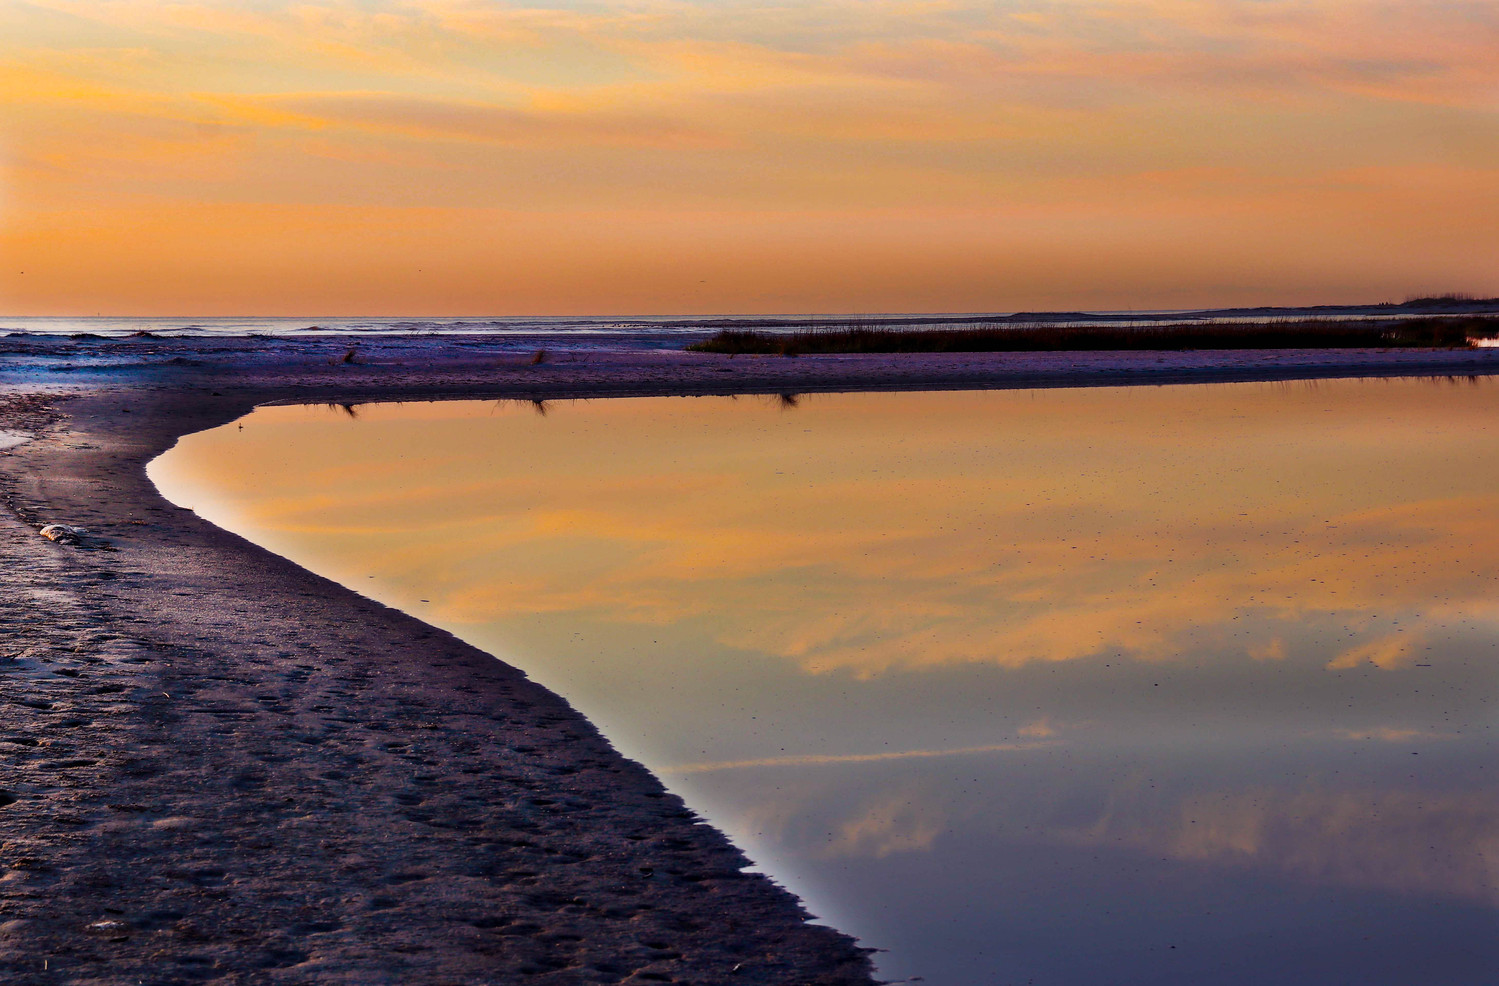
{"x": 1170, "y": 685}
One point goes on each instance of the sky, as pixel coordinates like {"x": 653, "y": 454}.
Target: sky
{"x": 457, "y": 157}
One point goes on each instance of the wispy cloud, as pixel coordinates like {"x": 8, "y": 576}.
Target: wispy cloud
{"x": 825, "y": 759}
{"x": 1359, "y": 838}
{"x": 999, "y": 559}
{"x": 384, "y": 113}
{"x": 1057, "y": 144}
{"x": 897, "y": 822}
{"x": 1393, "y": 734}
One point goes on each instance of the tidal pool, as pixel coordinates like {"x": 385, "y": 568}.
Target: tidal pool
{"x": 1171, "y": 685}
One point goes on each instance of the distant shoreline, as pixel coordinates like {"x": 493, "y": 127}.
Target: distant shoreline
{"x": 669, "y": 327}
{"x": 1415, "y": 332}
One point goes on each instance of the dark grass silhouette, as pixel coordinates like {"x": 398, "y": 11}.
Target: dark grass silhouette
{"x": 1443, "y": 332}
{"x": 1452, "y": 299}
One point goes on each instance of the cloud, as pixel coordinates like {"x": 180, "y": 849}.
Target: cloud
{"x": 1440, "y": 844}
{"x": 1040, "y": 729}
{"x": 787, "y": 547}
{"x": 895, "y": 823}
{"x": 395, "y": 114}
{"x": 1386, "y": 652}
{"x": 894, "y": 154}
{"x": 1391, "y": 734}
{"x": 820, "y": 759}
{"x": 1271, "y": 650}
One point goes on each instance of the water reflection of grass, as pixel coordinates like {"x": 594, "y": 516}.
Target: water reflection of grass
{"x": 1299, "y": 334}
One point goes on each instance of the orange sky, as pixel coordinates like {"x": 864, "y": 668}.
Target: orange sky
{"x": 669, "y": 156}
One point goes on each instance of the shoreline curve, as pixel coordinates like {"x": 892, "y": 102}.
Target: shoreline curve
{"x": 222, "y": 768}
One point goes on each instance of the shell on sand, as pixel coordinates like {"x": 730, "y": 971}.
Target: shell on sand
{"x": 62, "y": 533}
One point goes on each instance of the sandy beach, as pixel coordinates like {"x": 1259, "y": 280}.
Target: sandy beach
{"x": 220, "y": 767}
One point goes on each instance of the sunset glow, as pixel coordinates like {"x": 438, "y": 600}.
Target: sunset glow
{"x": 1034, "y": 527}
{"x": 657, "y": 156}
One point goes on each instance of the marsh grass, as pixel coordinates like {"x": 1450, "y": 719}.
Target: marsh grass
{"x": 1448, "y": 332}
{"x": 1452, "y": 299}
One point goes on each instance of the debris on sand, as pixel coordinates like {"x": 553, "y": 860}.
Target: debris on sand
{"x": 63, "y": 534}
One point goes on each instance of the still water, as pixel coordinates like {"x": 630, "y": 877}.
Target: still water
{"x": 1171, "y": 685}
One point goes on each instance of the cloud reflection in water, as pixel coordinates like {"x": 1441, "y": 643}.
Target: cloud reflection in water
{"x": 1094, "y": 658}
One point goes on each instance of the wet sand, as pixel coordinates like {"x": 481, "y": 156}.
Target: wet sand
{"x": 219, "y": 767}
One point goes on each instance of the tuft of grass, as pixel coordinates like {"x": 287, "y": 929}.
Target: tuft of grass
{"x": 1429, "y": 332}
